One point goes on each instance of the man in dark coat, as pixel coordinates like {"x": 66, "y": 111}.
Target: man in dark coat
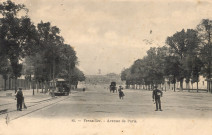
{"x": 19, "y": 97}
{"x": 156, "y": 94}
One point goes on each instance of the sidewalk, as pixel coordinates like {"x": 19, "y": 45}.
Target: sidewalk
{"x": 8, "y": 102}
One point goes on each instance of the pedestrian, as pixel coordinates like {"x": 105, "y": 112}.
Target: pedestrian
{"x": 121, "y": 93}
{"x": 156, "y": 94}
{"x": 120, "y": 88}
{"x": 19, "y": 97}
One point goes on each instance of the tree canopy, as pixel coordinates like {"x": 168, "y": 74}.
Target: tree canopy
{"x": 41, "y": 48}
{"x": 186, "y": 55}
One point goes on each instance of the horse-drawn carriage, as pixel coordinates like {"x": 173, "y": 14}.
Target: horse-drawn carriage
{"x": 113, "y": 87}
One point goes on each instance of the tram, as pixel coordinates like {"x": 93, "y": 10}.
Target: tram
{"x": 61, "y": 89}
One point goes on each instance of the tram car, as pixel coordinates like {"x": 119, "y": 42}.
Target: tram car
{"x": 62, "y": 88}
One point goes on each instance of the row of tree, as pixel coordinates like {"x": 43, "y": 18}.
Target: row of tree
{"x": 186, "y": 55}
{"x": 38, "y": 52}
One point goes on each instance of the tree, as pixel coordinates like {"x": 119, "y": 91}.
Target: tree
{"x": 172, "y": 69}
{"x": 4, "y": 69}
{"x": 49, "y": 44}
{"x": 196, "y": 69}
{"x": 204, "y": 32}
{"x": 148, "y": 71}
{"x": 191, "y": 52}
{"x": 125, "y": 76}
{"x": 184, "y": 44}
{"x": 67, "y": 61}
{"x": 16, "y": 34}
{"x": 75, "y": 75}
{"x": 178, "y": 46}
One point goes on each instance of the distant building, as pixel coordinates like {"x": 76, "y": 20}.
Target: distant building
{"x": 103, "y": 79}
{"x": 202, "y": 84}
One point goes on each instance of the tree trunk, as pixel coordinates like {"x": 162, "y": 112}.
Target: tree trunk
{"x": 207, "y": 87}
{"x": 37, "y": 85}
{"x": 174, "y": 86}
{"x": 33, "y": 88}
{"x": 53, "y": 73}
{"x": 30, "y": 84}
{"x": 211, "y": 84}
{"x": 181, "y": 84}
{"x": 25, "y": 84}
{"x": 12, "y": 84}
{"x": 197, "y": 86}
{"x": 15, "y": 84}
{"x": 46, "y": 86}
{"x": 209, "y": 76}
{"x": 9, "y": 83}
{"x": 5, "y": 84}
{"x": 42, "y": 86}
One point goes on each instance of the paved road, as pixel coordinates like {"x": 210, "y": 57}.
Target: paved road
{"x": 98, "y": 107}
{"x": 99, "y": 102}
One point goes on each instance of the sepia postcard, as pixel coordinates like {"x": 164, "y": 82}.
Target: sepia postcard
{"x": 105, "y": 67}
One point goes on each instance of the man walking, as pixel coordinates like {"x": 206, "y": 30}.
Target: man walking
{"x": 19, "y": 97}
{"x": 156, "y": 94}
{"x": 121, "y": 93}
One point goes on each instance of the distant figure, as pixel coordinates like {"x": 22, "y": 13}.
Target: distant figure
{"x": 120, "y": 88}
{"x": 121, "y": 93}
{"x": 19, "y": 97}
{"x": 156, "y": 94}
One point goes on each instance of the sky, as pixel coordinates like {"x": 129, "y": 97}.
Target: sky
{"x": 111, "y": 34}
